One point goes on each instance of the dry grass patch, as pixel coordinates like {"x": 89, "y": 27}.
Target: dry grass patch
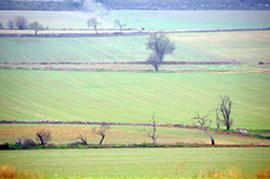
{"x": 8, "y": 171}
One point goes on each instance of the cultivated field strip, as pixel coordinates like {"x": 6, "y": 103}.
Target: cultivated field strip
{"x": 161, "y": 162}
{"x": 66, "y": 133}
{"x": 131, "y": 97}
{"x": 247, "y": 48}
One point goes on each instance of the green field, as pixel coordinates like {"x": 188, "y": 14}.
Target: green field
{"x": 157, "y": 20}
{"x": 248, "y": 48}
{"x": 159, "y": 162}
{"x": 131, "y": 97}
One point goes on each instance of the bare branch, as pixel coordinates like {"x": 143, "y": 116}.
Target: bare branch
{"x": 152, "y": 135}
{"x": 82, "y": 138}
{"x": 225, "y": 111}
{"x": 102, "y": 131}
{"x": 205, "y": 123}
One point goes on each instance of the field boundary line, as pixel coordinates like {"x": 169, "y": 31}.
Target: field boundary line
{"x": 109, "y": 33}
{"x": 124, "y": 63}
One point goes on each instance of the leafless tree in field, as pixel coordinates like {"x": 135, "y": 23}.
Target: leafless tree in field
{"x": 152, "y": 134}
{"x": 82, "y": 138}
{"x": 205, "y": 122}
{"x": 102, "y": 131}
{"x": 225, "y": 111}
{"x": 93, "y": 22}
{"x": 43, "y": 136}
{"x": 1, "y": 25}
{"x": 21, "y": 22}
{"x": 10, "y": 24}
{"x": 118, "y": 23}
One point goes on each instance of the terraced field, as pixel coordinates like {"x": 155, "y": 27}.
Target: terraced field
{"x": 131, "y": 97}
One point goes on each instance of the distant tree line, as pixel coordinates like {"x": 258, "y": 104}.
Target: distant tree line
{"x": 67, "y": 5}
{"x": 187, "y": 4}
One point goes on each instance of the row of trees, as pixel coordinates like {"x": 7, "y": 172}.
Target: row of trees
{"x": 21, "y": 23}
{"x": 221, "y": 117}
{"x": 93, "y": 22}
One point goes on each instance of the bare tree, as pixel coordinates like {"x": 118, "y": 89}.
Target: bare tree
{"x": 35, "y": 26}
{"x": 21, "y": 22}
{"x": 205, "y": 122}
{"x": 93, "y": 22}
{"x": 102, "y": 131}
{"x": 118, "y": 23}
{"x": 82, "y": 138}
{"x": 1, "y": 25}
{"x": 43, "y": 136}
{"x": 10, "y": 24}
{"x": 153, "y": 133}
{"x": 160, "y": 46}
{"x": 225, "y": 111}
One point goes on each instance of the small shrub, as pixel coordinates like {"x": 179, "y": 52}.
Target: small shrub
{"x": 27, "y": 142}
{"x": 24, "y": 143}
{"x": 73, "y": 144}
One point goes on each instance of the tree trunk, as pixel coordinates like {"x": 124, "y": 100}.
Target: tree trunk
{"x": 228, "y": 128}
{"x": 156, "y": 67}
{"x": 40, "y": 137}
{"x": 213, "y": 142}
{"x": 95, "y": 29}
{"x": 102, "y": 138}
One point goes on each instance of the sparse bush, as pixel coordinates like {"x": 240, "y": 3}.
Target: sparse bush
{"x": 24, "y": 143}
{"x": 73, "y": 144}
{"x": 21, "y": 22}
{"x": 43, "y": 136}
